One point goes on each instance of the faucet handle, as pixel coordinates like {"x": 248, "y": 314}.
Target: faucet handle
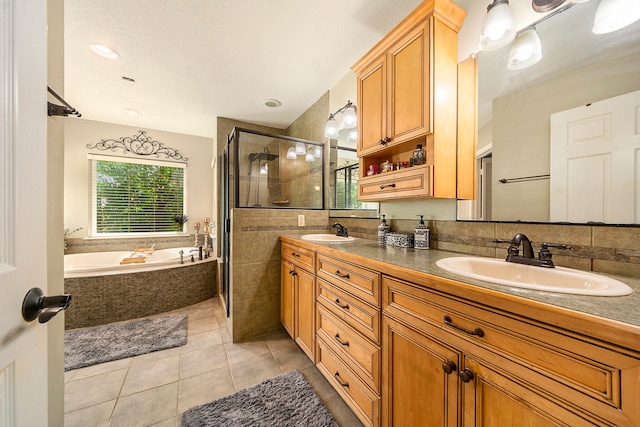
{"x": 544, "y": 249}
{"x": 513, "y": 250}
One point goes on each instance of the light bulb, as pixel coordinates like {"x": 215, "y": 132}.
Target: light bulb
{"x": 526, "y": 50}
{"x": 309, "y": 156}
{"x": 613, "y": 15}
{"x": 331, "y": 128}
{"x": 317, "y": 152}
{"x": 300, "y": 149}
{"x": 349, "y": 118}
{"x": 499, "y": 26}
{"x": 291, "y": 153}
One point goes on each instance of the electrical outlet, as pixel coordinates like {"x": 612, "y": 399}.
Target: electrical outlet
{"x": 300, "y": 220}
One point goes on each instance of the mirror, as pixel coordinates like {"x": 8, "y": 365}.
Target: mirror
{"x": 343, "y": 180}
{"x": 578, "y": 68}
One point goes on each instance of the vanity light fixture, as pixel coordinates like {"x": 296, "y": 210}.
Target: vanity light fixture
{"x": 349, "y": 120}
{"x": 309, "y": 157}
{"x": 104, "y": 51}
{"x": 317, "y": 152}
{"x": 525, "y": 51}
{"x": 499, "y": 26}
{"x": 291, "y": 153}
{"x": 613, "y": 15}
{"x": 301, "y": 150}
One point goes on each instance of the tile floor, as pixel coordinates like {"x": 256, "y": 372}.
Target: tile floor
{"x": 154, "y": 389}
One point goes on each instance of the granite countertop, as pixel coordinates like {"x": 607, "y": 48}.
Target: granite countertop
{"x": 625, "y": 309}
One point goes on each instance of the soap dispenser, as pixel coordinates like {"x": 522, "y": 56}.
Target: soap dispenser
{"x": 421, "y": 235}
{"x": 383, "y": 229}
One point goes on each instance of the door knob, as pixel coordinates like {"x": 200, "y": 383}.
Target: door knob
{"x": 37, "y": 306}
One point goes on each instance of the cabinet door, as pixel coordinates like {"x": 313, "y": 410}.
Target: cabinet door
{"x": 372, "y": 99}
{"x": 416, "y": 389}
{"x": 492, "y": 399}
{"x": 409, "y": 106}
{"x": 286, "y": 296}
{"x": 305, "y": 299}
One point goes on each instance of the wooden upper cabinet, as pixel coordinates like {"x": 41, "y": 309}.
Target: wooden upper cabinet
{"x": 407, "y": 95}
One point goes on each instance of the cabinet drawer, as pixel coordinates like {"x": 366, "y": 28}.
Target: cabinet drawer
{"x": 411, "y": 182}
{"x": 299, "y": 256}
{"x": 358, "y": 352}
{"x": 364, "y": 402}
{"x": 571, "y": 365}
{"x": 361, "y": 282}
{"x": 360, "y": 316}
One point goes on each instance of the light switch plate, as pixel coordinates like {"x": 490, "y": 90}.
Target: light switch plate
{"x": 300, "y": 220}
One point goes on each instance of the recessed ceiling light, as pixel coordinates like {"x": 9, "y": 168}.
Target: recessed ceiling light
{"x": 132, "y": 113}
{"x": 273, "y": 103}
{"x": 104, "y": 51}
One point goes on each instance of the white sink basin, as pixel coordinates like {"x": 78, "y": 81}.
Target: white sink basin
{"x": 559, "y": 279}
{"x": 326, "y": 238}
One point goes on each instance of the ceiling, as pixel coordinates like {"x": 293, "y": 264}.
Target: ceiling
{"x": 195, "y": 60}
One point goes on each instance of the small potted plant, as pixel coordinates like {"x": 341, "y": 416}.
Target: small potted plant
{"x": 180, "y": 221}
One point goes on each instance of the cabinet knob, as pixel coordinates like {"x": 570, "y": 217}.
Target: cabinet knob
{"x": 449, "y": 366}
{"x": 466, "y": 375}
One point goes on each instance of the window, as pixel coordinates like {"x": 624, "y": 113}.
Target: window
{"x": 136, "y": 196}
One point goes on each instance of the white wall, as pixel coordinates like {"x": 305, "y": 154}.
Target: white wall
{"x": 80, "y": 132}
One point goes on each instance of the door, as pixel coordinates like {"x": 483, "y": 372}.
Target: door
{"x": 419, "y": 381}
{"x": 595, "y": 162}
{"x": 305, "y": 303}
{"x": 287, "y": 295}
{"x": 23, "y": 185}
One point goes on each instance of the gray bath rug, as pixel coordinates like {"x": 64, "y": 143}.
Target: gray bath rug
{"x": 88, "y": 346}
{"x": 286, "y": 400}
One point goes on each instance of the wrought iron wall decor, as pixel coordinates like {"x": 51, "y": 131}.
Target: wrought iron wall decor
{"x": 139, "y": 144}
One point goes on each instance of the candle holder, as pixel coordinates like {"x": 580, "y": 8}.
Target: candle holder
{"x": 196, "y": 227}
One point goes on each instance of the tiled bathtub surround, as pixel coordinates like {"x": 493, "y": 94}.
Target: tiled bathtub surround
{"x": 256, "y": 252}
{"x": 108, "y": 298}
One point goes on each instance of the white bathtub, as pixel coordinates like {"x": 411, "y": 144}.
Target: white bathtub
{"x": 98, "y": 263}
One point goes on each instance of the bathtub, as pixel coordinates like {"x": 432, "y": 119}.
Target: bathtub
{"x": 77, "y": 265}
{"x": 103, "y": 291}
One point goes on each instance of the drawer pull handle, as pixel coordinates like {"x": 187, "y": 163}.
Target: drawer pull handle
{"x": 342, "y": 383}
{"x": 383, "y": 186}
{"x": 344, "y": 276}
{"x": 346, "y": 306}
{"x": 293, "y": 273}
{"x": 344, "y": 343}
{"x": 449, "y": 366}
{"x": 477, "y": 331}
{"x": 385, "y": 141}
{"x": 295, "y": 254}
{"x": 466, "y": 375}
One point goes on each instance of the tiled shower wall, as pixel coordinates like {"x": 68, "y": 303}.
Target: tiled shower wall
{"x": 256, "y": 252}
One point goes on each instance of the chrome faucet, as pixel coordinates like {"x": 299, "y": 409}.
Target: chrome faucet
{"x": 528, "y": 256}
{"x": 341, "y": 230}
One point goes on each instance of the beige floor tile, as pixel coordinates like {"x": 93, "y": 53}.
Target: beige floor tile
{"x": 290, "y": 359}
{"x": 322, "y": 387}
{"x": 242, "y": 351}
{"x": 144, "y": 375}
{"x": 254, "y": 370}
{"x": 147, "y": 407}
{"x": 204, "y": 388}
{"x": 199, "y": 361}
{"x": 341, "y": 412}
{"x": 171, "y": 422}
{"x": 279, "y": 340}
{"x": 202, "y": 340}
{"x": 197, "y": 326}
{"x": 93, "y": 416}
{"x": 100, "y": 368}
{"x": 93, "y": 390}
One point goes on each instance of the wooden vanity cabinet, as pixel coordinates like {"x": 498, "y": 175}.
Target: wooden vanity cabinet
{"x": 298, "y": 296}
{"x": 480, "y": 366}
{"x": 348, "y": 333}
{"x": 407, "y": 95}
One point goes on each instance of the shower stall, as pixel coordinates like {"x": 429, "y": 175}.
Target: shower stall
{"x": 267, "y": 171}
